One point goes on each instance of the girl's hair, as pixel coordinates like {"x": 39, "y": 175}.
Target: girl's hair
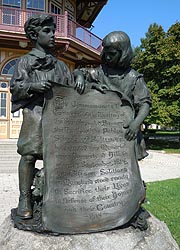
{"x": 35, "y": 23}
{"x": 120, "y": 41}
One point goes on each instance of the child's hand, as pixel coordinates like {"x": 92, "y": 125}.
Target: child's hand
{"x": 41, "y": 86}
{"x": 131, "y": 132}
{"x": 79, "y": 83}
{"x": 99, "y": 87}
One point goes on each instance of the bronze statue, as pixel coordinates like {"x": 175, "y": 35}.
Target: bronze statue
{"x": 30, "y": 81}
{"x": 91, "y": 180}
{"x": 116, "y": 74}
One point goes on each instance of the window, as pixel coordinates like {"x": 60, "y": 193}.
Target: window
{"x": 11, "y": 16}
{"x": 3, "y": 104}
{"x": 12, "y": 3}
{"x": 4, "y": 85}
{"x": 8, "y": 68}
{"x": 36, "y": 5}
{"x": 70, "y": 9}
{"x": 55, "y": 9}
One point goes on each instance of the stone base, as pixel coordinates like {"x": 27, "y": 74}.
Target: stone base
{"x": 156, "y": 237}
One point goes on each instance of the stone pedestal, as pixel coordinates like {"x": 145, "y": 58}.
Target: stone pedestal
{"x": 157, "y": 237}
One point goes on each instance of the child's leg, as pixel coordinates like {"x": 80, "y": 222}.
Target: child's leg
{"x": 26, "y": 166}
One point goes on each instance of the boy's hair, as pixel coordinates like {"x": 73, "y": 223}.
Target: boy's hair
{"x": 120, "y": 41}
{"x": 35, "y": 23}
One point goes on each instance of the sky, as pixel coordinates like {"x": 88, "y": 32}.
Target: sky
{"x": 135, "y": 16}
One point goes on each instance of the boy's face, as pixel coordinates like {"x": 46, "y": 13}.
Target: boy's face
{"x": 45, "y": 37}
{"x": 111, "y": 56}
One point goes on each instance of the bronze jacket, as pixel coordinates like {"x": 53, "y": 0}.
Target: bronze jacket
{"x": 33, "y": 67}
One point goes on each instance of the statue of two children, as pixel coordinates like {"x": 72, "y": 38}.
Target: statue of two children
{"x": 33, "y": 76}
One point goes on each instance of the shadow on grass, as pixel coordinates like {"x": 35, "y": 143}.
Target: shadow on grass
{"x": 158, "y": 144}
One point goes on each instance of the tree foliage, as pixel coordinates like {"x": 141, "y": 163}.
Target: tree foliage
{"x": 158, "y": 59}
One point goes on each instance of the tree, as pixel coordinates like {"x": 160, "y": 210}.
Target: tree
{"x": 158, "y": 59}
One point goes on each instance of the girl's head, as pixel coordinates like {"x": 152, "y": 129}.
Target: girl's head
{"x": 36, "y": 23}
{"x": 117, "y": 50}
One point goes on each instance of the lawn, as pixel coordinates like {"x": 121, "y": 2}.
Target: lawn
{"x": 163, "y": 201}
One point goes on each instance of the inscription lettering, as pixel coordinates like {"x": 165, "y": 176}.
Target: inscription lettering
{"x": 101, "y": 132}
{"x": 91, "y": 166}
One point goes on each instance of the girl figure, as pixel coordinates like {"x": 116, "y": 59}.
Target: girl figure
{"x": 116, "y": 74}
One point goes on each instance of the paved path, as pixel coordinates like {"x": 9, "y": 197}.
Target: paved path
{"x": 157, "y": 166}
{"x": 8, "y": 194}
{"x": 160, "y": 166}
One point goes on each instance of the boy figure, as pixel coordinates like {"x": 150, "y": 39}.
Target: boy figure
{"x": 33, "y": 74}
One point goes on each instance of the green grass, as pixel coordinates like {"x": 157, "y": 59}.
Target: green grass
{"x": 162, "y": 132}
{"x": 163, "y": 201}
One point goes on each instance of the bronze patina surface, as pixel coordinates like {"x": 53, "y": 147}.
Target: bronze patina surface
{"x": 85, "y": 126}
{"x": 92, "y": 179}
